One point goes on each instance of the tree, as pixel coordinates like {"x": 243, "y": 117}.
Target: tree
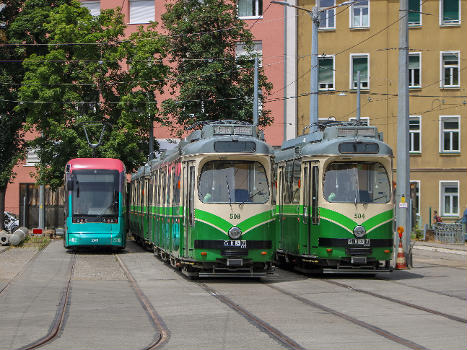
{"x": 81, "y": 77}
{"x": 12, "y": 145}
{"x": 208, "y": 80}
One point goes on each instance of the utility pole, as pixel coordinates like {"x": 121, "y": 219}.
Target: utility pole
{"x": 403, "y": 160}
{"x": 314, "y": 67}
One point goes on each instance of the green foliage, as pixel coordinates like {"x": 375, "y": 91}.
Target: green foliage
{"x": 210, "y": 83}
{"x": 81, "y": 80}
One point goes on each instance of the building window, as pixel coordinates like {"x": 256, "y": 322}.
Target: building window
{"x": 93, "y": 6}
{"x": 415, "y": 195}
{"x": 141, "y": 11}
{"x": 415, "y": 70}
{"x": 326, "y": 72}
{"x": 363, "y": 120}
{"x": 240, "y": 51}
{"x": 359, "y": 14}
{"x": 449, "y": 12}
{"x": 327, "y": 17}
{"x": 250, "y": 8}
{"x": 32, "y": 158}
{"x": 450, "y": 134}
{"x": 449, "y": 191}
{"x": 415, "y": 134}
{"x": 450, "y": 69}
{"x": 359, "y": 63}
{"x": 415, "y": 16}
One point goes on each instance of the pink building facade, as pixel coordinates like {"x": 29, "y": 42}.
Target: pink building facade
{"x": 266, "y": 22}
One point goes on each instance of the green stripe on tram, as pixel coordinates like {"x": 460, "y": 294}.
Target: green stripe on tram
{"x": 224, "y": 226}
{"x": 338, "y": 218}
{"x": 378, "y": 220}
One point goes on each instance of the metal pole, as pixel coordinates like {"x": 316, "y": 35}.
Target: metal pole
{"x": 151, "y": 141}
{"x": 358, "y": 96}
{"x": 403, "y": 160}
{"x": 41, "y": 207}
{"x": 314, "y": 67}
{"x": 255, "y": 93}
{"x": 285, "y": 73}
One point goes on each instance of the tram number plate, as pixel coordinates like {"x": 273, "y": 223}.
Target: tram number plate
{"x": 235, "y": 243}
{"x": 359, "y": 241}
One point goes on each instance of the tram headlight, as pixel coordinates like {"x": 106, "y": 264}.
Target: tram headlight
{"x": 359, "y": 231}
{"x": 235, "y": 232}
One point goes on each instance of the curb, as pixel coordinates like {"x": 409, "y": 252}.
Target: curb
{"x": 440, "y": 250}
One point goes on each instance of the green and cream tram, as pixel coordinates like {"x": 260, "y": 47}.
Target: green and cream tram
{"x": 334, "y": 201}
{"x": 205, "y": 206}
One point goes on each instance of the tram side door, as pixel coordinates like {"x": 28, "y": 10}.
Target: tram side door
{"x": 281, "y": 183}
{"x": 189, "y": 181}
{"x": 307, "y": 203}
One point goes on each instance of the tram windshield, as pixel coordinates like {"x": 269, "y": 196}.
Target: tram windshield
{"x": 233, "y": 182}
{"x": 361, "y": 182}
{"x": 95, "y": 192}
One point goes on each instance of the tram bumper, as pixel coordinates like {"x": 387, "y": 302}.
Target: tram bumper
{"x": 93, "y": 239}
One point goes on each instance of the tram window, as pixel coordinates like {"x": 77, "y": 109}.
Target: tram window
{"x": 287, "y": 191}
{"x": 233, "y": 182}
{"x": 274, "y": 184}
{"x": 176, "y": 185}
{"x": 94, "y": 192}
{"x": 164, "y": 187}
{"x": 296, "y": 182}
{"x": 358, "y": 182}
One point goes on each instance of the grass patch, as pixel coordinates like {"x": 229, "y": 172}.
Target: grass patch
{"x": 36, "y": 241}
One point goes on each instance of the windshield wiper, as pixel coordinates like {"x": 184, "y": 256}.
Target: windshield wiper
{"x": 230, "y": 196}
{"x": 251, "y": 196}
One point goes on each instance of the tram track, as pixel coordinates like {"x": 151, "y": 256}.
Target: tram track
{"x": 262, "y": 325}
{"x": 400, "y": 302}
{"x": 57, "y": 324}
{"x": 156, "y": 320}
{"x": 424, "y": 289}
{"x": 377, "y": 330}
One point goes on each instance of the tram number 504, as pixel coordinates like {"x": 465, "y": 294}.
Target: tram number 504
{"x": 234, "y": 216}
{"x": 359, "y": 216}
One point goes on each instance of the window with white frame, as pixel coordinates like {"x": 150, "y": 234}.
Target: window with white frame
{"x": 363, "y": 120}
{"x": 450, "y": 69}
{"x": 359, "y": 63}
{"x": 415, "y": 134}
{"x": 415, "y": 192}
{"x": 415, "y": 69}
{"x": 449, "y": 12}
{"x": 326, "y": 73}
{"x": 240, "y": 50}
{"x": 449, "y": 192}
{"x": 142, "y": 11}
{"x": 450, "y": 134}
{"x": 359, "y": 14}
{"x": 250, "y": 8}
{"x": 32, "y": 158}
{"x": 94, "y": 7}
{"x": 415, "y": 15}
{"x": 327, "y": 17}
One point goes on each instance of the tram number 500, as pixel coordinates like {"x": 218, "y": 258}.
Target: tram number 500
{"x": 234, "y": 216}
{"x": 359, "y": 216}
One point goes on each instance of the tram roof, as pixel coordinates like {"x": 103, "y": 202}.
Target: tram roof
{"x": 95, "y": 163}
{"x": 336, "y": 138}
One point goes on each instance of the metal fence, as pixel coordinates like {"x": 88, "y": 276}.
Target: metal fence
{"x": 449, "y": 233}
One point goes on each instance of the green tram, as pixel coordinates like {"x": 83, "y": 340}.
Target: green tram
{"x": 205, "y": 206}
{"x": 334, "y": 200}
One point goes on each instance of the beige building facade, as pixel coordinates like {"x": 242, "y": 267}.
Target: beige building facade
{"x": 364, "y": 37}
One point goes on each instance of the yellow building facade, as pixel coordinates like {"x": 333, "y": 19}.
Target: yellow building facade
{"x": 364, "y": 37}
